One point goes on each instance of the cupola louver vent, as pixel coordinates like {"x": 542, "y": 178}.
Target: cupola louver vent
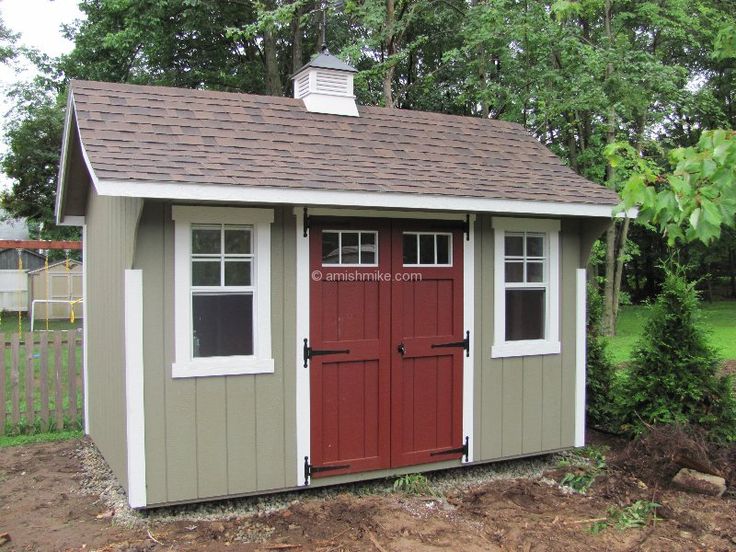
{"x": 325, "y": 85}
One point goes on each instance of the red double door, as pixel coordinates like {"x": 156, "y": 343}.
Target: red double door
{"x": 386, "y": 344}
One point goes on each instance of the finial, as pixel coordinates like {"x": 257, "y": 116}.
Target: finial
{"x": 324, "y": 49}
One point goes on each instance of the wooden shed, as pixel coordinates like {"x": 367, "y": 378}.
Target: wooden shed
{"x": 56, "y": 291}
{"x": 293, "y": 292}
{"x": 14, "y": 267}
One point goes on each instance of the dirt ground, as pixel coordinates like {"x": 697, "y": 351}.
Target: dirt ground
{"x": 43, "y": 506}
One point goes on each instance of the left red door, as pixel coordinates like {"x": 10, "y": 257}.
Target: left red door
{"x": 350, "y": 310}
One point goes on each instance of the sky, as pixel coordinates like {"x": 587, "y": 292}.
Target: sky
{"x": 39, "y": 24}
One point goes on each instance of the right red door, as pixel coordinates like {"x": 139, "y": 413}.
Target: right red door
{"x": 429, "y": 344}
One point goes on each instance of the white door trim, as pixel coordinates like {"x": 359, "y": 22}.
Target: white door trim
{"x": 303, "y": 421}
{"x": 469, "y": 323}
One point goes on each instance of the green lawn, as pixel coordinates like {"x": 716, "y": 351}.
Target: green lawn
{"x": 9, "y": 323}
{"x": 720, "y": 318}
{"x": 17, "y": 440}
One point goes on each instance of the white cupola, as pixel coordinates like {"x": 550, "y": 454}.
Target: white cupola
{"x": 325, "y": 85}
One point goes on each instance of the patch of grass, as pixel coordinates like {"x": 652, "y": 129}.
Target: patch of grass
{"x": 49, "y": 437}
{"x": 9, "y": 322}
{"x": 718, "y": 316}
{"x": 414, "y": 483}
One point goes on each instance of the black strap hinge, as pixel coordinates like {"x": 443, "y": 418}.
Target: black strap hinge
{"x": 305, "y": 222}
{"x": 465, "y": 450}
{"x": 309, "y": 469}
{"x": 465, "y": 344}
{"x": 308, "y": 352}
{"x": 466, "y": 227}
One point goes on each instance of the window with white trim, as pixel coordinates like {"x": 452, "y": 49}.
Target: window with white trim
{"x": 526, "y": 287}
{"x": 222, "y": 291}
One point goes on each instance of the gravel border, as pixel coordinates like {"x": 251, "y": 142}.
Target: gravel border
{"x": 97, "y": 479}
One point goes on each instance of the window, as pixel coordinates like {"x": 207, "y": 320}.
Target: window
{"x": 526, "y": 287}
{"x": 349, "y": 248}
{"x": 222, "y": 291}
{"x": 427, "y": 249}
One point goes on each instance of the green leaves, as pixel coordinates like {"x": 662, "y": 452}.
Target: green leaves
{"x": 697, "y": 198}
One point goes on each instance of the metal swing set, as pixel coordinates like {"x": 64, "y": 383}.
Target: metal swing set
{"x": 44, "y": 245}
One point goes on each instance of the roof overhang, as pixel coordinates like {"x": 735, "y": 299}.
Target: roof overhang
{"x": 329, "y": 198}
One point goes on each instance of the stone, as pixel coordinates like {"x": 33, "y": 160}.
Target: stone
{"x": 697, "y": 482}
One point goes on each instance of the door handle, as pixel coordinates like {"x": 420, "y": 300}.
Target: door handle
{"x": 401, "y": 348}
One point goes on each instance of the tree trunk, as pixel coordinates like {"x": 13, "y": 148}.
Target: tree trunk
{"x": 297, "y": 37}
{"x": 273, "y": 79}
{"x": 609, "y": 324}
{"x": 388, "y": 77}
{"x": 609, "y": 293}
{"x": 619, "y": 272}
{"x": 732, "y": 263}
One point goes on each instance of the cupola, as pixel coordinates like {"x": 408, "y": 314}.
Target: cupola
{"x": 325, "y": 84}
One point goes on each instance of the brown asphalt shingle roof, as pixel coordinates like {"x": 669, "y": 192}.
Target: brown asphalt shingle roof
{"x": 170, "y": 135}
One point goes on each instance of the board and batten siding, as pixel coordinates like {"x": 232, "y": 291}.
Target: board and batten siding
{"x": 209, "y": 437}
{"x": 111, "y": 226}
{"x": 524, "y": 405}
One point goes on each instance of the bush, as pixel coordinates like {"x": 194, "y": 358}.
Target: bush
{"x": 599, "y": 382}
{"x": 673, "y": 377}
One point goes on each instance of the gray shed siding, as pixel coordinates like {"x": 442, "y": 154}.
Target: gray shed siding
{"x": 232, "y": 435}
{"x": 524, "y": 405}
{"x": 223, "y": 435}
{"x": 111, "y": 225}
{"x": 31, "y": 260}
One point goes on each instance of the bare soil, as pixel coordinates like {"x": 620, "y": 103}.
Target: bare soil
{"x": 43, "y": 506}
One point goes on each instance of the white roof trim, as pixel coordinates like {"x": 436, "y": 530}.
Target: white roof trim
{"x": 61, "y": 219}
{"x": 395, "y": 200}
{"x": 64, "y": 155}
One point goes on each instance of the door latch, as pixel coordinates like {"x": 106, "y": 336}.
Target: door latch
{"x": 401, "y": 348}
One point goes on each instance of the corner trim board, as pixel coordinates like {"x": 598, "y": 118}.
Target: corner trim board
{"x": 85, "y": 333}
{"x": 134, "y": 399}
{"x": 580, "y": 356}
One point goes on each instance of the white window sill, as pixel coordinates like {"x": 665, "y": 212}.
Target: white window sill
{"x": 531, "y": 347}
{"x": 221, "y": 366}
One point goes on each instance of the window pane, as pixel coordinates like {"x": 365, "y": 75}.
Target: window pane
{"x": 525, "y": 313}
{"x": 534, "y": 246}
{"x": 426, "y": 249}
{"x": 410, "y": 249}
{"x": 330, "y": 245}
{"x": 514, "y": 246}
{"x": 349, "y": 248}
{"x": 443, "y": 249}
{"x": 514, "y": 271}
{"x": 205, "y": 273}
{"x": 237, "y": 273}
{"x": 222, "y": 325}
{"x": 206, "y": 240}
{"x": 535, "y": 272}
{"x": 367, "y": 248}
{"x": 237, "y": 241}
